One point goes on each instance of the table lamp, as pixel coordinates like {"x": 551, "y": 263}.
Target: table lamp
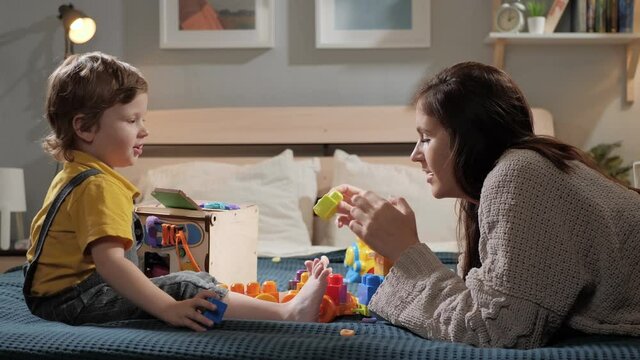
{"x": 12, "y": 199}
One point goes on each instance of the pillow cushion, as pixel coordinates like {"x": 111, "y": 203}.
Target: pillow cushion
{"x": 274, "y": 185}
{"x": 436, "y": 218}
{"x": 305, "y": 173}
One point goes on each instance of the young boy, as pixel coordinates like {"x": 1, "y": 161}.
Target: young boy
{"x": 78, "y": 271}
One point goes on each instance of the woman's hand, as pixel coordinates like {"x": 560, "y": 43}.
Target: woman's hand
{"x": 387, "y": 226}
{"x": 188, "y": 313}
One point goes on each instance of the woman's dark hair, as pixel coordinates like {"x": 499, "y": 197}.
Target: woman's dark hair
{"x": 485, "y": 113}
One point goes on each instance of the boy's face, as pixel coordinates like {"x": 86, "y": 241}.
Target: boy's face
{"x": 119, "y": 137}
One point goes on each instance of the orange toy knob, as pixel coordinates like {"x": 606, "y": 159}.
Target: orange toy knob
{"x": 253, "y": 289}
{"x": 270, "y": 287}
{"x": 237, "y": 288}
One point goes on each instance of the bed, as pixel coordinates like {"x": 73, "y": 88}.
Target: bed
{"x": 295, "y": 154}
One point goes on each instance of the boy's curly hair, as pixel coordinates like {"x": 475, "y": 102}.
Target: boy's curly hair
{"x": 86, "y": 85}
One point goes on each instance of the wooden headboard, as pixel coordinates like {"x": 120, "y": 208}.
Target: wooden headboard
{"x": 246, "y": 135}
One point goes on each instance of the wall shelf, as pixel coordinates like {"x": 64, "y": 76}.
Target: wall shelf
{"x": 563, "y": 38}
{"x": 630, "y": 40}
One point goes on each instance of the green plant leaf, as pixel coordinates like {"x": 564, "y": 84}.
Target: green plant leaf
{"x": 610, "y": 164}
{"x": 536, "y": 8}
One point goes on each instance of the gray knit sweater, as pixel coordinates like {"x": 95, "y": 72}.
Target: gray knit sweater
{"x": 557, "y": 250}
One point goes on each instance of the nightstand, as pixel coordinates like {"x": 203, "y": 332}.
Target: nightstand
{"x": 7, "y": 262}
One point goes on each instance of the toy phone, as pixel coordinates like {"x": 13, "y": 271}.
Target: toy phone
{"x": 174, "y": 198}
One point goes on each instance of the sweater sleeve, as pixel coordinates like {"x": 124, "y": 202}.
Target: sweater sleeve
{"x": 526, "y": 285}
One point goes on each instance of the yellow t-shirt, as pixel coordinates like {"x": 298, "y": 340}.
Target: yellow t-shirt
{"x": 101, "y": 206}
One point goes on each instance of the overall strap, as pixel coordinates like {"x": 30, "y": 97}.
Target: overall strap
{"x": 30, "y": 269}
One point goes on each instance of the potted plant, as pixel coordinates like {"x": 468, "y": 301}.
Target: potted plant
{"x": 611, "y": 164}
{"x": 536, "y": 11}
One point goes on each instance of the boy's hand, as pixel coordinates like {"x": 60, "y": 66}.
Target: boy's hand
{"x": 127, "y": 279}
{"x": 188, "y": 313}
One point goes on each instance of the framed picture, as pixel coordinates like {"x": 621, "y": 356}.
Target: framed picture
{"x": 373, "y": 24}
{"x": 202, "y": 24}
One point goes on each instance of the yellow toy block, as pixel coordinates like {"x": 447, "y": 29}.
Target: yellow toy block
{"x": 326, "y": 207}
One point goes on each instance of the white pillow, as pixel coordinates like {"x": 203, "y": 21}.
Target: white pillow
{"x": 305, "y": 174}
{"x": 274, "y": 185}
{"x": 436, "y": 218}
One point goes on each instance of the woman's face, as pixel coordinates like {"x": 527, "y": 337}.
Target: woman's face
{"x": 433, "y": 152}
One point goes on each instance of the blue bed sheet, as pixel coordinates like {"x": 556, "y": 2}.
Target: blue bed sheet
{"x": 24, "y": 336}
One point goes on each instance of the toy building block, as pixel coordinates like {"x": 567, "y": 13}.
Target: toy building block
{"x": 216, "y": 316}
{"x": 253, "y": 289}
{"x": 368, "y": 287}
{"x": 327, "y": 205}
{"x": 237, "y": 288}
{"x": 268, "y": 291}
{"x": 337, "y": 289}
{"x": 219, "y": 205}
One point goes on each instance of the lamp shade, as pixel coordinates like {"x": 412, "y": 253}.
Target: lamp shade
{"x": 12, "y": 195}
{"x": 79, "y": 27}
{"x": 82, "y": 30}
{"x": 12, "y": 199}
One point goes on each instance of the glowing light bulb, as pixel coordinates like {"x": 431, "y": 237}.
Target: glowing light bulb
{"x": 82, "y": 30}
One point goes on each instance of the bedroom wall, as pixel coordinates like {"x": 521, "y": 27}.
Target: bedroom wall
{"x": 582, "y": 86}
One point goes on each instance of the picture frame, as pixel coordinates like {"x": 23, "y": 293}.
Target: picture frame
{"x": 196, "y": 24}
{"x": 384, "y": 24}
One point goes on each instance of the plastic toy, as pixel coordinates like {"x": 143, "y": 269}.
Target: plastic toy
{"x": 152, "y": 231}
{"x": 174, "y": 198}
{"x": 268, "y": 291}
{"x": 366, "y": 289}
{"x": 219, "y": 205}
{"x": 360, "y": 259}
{"x": 163, "y": 235}
{"x": 341, "y": 301}
{"x": 347, "y": 332}
{"x": 336, "y": 301}
{"x": 207, "y": 233}
{"x": 216, "y": 316}
{"x": 327, "y": 205}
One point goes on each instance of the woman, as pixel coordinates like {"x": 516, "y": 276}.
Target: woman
{"x": 550, "y": 242}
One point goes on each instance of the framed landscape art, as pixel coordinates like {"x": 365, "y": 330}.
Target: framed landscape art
{"x": 200, "y": 24}
{"x": 373, "y": 24}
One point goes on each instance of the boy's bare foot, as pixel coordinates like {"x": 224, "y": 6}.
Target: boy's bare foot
{"x": 306, "y": 305}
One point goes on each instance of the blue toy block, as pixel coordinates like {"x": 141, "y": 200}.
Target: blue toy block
{"x": 368, "y": 287}
{"x": 216, "y": 316}
{"x": 352, "y": 276}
